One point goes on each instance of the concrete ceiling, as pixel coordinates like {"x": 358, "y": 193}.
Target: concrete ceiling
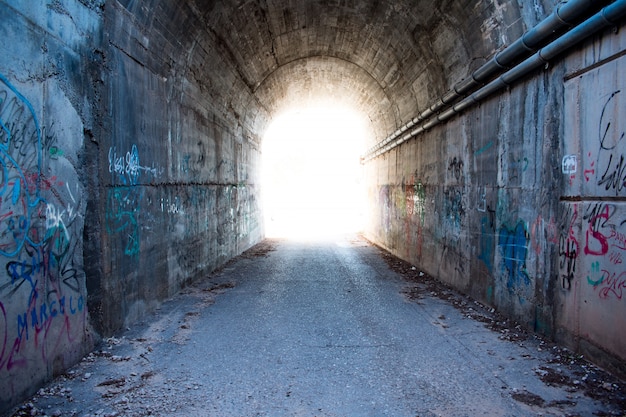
{"x": 388, "y": 59}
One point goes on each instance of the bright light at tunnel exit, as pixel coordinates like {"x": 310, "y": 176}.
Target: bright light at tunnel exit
{"x": 312, "y": 178}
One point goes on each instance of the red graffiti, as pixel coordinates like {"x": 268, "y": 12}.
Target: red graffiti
{"x": 616, "y": 258}
{"x": 541, "y": 230}
{"x": 596, "y": 242}
{"x": 620, "y": 239}
{"x": 591, "y": 171}
{"x": 612, "y": 284}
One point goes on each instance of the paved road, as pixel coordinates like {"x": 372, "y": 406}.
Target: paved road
{"x": 315, "y": 329}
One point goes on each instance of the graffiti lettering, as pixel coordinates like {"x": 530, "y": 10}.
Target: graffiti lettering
{"x": 569, "y": 248}
{"x": 127, "y": 166}
{"x": 616, "y": 178}
{"x": 611, "y": 154}
{"x": 596, "y": 242}
{"x": 121, "y": 216}
{"x": 608, "y": 283}
{"x": 36, "y": 318}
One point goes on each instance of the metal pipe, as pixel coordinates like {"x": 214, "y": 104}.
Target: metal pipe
{"x": 608, "y": 16}
{"x": 565, "y": 15}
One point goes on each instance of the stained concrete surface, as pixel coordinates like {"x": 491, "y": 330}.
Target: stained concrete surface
{"x": 334, "y": 328}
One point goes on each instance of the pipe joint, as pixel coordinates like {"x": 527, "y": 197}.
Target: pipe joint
{"x": 525, "y": 45}
{"x": 607, "y": 20}
{"x": 557, "y": 15}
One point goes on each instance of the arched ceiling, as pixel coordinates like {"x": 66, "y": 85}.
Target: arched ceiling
{"x": 386, "y": 58}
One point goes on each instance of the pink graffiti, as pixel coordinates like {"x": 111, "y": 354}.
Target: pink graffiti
{"x": 35, "y": 326}
{"x": 612, "y": 284}
{"x": 619, "y": 238}
{"x": 596, "y": 242}
{"x": 616, "y": 258}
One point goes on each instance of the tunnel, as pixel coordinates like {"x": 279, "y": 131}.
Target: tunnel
{"x": 494, "y": 155}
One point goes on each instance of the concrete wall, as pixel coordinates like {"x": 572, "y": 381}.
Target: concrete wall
{"x": 591, "y": 297}
{"x": 127, "y": 172}
{"x": 521, "y": 201}
{"x": 178, "y": 166}
{"x": 45, "y": 86}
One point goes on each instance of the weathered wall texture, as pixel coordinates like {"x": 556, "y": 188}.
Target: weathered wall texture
{"x": 123, "y": 177}
{"x": 592, "y": 228}
{"x": 178, "y": 165}
{"x": 521, "y": 201}
{"x": 44, "y": 88}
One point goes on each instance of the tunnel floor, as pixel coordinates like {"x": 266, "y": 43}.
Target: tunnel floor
{"x": 334, "y": 328}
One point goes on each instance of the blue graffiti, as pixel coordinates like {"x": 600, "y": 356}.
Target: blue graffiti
{"x": 486, "y": 244}
{"x": 121, "y": 216}
{"x": 19, "y": 203}
{"x": 40, "y": 317}
{"x": 513, "y": 244}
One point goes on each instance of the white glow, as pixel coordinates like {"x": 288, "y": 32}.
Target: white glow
{"x": 312, "y": 178}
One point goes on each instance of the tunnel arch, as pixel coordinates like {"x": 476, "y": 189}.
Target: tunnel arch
{"x": 309, "y": 81}
{"x": 402, "y": 45}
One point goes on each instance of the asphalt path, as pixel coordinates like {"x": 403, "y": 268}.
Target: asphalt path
{"x": 317, "y": 329}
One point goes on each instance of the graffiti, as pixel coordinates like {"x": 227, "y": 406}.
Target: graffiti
{"x": 456, "y": 168}
{"x": 484, "y": 149}
{"x": 409, "y": 193}
{"x": 454, "y": 208}
{"x": 122, "y": 216}
{"x": 616, "y": 179}
{"x": 128, "y": 167}
{"x": 172, "y": 206}
{"x": 525, "y": 162}
{"x": 486, "y": 244}
{"x": 123, "y": 202}
{"x": 487, "y": 230}
{"x": 569, "y": 164}
{"x": 599, "y": 230}
{"x": 19, "y": 204}
{"x": 542, "y": 232}
{"x": 36, "y": 319}
{"x": 589, "y": 171}
{"x": 611, "y": 154}
{"x": 569, "y": 249}
{"x": 605, "y": 242}
{"x": 607, "y": 283}
{"x": 39, "y": 235}
{"x": 419, "y": 197}
{"x": 415, "y": 196}
{"x": 513, "y": 244}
